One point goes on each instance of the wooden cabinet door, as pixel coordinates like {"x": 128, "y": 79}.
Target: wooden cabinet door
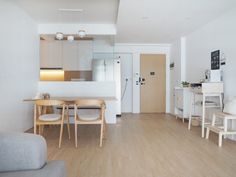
{"x": 50, "y": 54}
{"x": 70, "y": 56}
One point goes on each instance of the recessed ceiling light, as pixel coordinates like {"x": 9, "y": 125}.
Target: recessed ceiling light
{"x": 188, "y": 18}
{"x": 145, "y": 18}
{"x": 71, "y": 10}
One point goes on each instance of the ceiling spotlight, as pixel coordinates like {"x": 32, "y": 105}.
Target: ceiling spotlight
{"x": 59, "y": 36}
{"x": 70, "y": 38}
{"x": 82, "y": 33}
{"x": 71, "y": 10}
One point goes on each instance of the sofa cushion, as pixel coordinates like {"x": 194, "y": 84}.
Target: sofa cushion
{"x": 22, "y": 151}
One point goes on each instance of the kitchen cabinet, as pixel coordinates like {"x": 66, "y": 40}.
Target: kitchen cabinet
{"x": 50, "y": 54}
{"x": 71, "y": 56}
{"x": 77, "y": 55}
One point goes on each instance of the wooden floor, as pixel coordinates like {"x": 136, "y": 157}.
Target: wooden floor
{"x": 144, "y": 145}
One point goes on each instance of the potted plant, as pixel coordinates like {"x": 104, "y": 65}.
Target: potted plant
{"x": 185, "y": 84}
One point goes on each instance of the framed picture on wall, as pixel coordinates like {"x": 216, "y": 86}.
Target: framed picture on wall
{"x": 215, "y": 60}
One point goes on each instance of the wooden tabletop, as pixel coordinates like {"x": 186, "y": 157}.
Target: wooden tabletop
{"x": 72, "y": 99}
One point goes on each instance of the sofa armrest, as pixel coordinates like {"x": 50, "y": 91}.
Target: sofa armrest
{"x": 22, "y": 151}
{"x": 51, "y": 169}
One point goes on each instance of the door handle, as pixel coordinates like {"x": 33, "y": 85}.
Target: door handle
{"x": 141, "y": 79}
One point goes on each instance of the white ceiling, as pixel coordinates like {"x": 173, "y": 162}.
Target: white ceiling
{"x": 137, "y": 21}
{"x": 162, "y": 21}
{"x": 94, "y": 11}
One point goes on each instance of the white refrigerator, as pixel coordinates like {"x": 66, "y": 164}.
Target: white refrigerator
{"x": 108, "y": 70}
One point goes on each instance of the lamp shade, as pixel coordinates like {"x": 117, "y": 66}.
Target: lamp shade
{"x": 82, "y": 33}
{"x": 59, "y": 36}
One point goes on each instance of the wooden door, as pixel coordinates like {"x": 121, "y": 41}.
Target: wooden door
{"x": 153, "y": 83}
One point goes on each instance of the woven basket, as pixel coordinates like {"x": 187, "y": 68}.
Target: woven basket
{"x": 195, "y": 122}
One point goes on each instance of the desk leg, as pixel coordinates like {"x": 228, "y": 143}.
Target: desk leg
{"x": 225, "y": 126}
{"x": 203, "y": 115}
{"x": 220, "y": 140}
{"x": 190, "y": 111}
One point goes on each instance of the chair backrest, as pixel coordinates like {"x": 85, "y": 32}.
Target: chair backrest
{"x": 49, "y": 102}
{"x": 46, "y": 106}
{"x": 98, "y": 103}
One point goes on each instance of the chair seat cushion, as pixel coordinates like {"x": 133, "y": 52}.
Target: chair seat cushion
{"x": 50, "y": 117}
{"x": 89, "y": 117}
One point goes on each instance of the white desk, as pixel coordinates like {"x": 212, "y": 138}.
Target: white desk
{"x": 207, "y": 90}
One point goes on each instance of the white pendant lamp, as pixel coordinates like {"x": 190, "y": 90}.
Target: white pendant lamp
{"x": 59, "y": 36}
{"x": 82, "y": 33}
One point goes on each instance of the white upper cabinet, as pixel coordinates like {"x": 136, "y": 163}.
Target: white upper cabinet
{"x": 71, "y": 56}
{"x": 51, "y": 54}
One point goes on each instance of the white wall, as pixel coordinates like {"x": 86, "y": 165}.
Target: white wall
{"x": 175, "y": 73}
{"x": 19, "y": 67}
{"x": 219, "y": 34}
{"x": 178, "y": 73}
{"x": 126, "y": 60}
{"x": 78, "y": 89}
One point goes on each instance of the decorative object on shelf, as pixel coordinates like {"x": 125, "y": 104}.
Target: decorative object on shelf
{"x": 185, "y": 84}
{"x": 195, "y": 122}
{"x": 59, "y": 35}
{"x": 70, "y": 38}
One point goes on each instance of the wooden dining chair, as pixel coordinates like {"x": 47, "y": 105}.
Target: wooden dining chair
{"x": 90, "y": 118}
{"x": 42, "y": 117}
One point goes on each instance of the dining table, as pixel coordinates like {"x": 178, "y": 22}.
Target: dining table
{"x": 110, "y": 112}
